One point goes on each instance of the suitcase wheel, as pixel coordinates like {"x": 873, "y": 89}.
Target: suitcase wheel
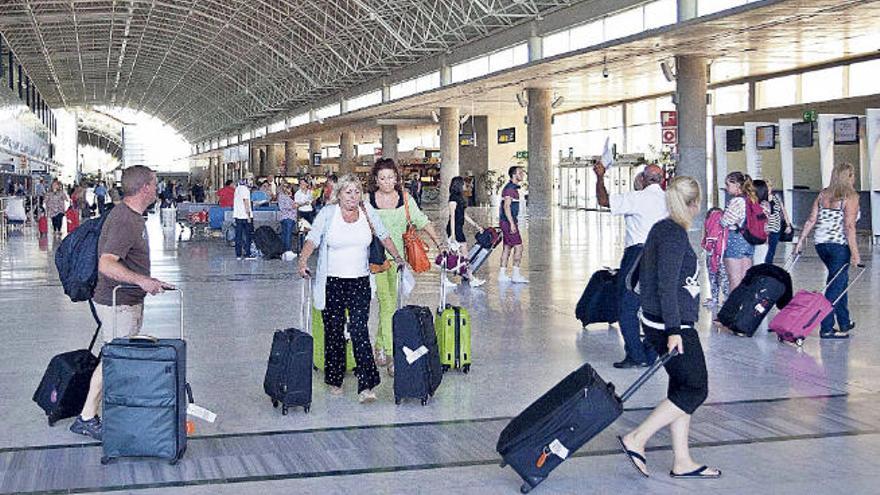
{"x": 396, "y": 401}
{"x": 424, "y": 401}
{"x": 284, "y": 410}
{"x": 466, "y": 369}
{"x": 105, "y": 461}
{"x": 525, "y": 488}
{"x": 799, "y": 341}
{"x": 445, "y": 368}
{"x": 274, "y": 403}
{"x": 307, "y": 408}
{"x": 502, "y": 465}
{"x": 51, "y": 422}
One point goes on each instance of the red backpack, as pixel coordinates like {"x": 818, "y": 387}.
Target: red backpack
{"x": 714, "y": 239}
{"x": 755, "y": 230}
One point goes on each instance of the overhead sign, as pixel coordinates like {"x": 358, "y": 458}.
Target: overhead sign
{"x": 668, "y": 118}
{"x": 467, "y": 140}
{"x": 507, "y": 135}
{"x": 810, "y": 115}
{"x": 669, "y": 136}
{"x": 522, "y": 155}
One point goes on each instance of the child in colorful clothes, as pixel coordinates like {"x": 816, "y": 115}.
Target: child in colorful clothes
{"x": 714, "y": 243}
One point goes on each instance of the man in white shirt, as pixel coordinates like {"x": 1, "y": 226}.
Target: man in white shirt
{"x": 244, "y": 218}
{"x": 641, "y": 209}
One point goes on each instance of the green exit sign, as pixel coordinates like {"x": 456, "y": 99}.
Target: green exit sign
{"x": 522, "y": 155}
{"x": 810, "y": 115}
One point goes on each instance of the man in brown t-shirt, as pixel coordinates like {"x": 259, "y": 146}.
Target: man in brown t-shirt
{"x": 124, "y": 258}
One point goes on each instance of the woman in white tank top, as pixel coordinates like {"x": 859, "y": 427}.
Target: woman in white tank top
{"x": 834, "y": 216}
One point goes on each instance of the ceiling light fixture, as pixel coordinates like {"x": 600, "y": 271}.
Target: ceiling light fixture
{"x": 668, "y": 71}
{"x": 435, "y": 117}
{"x": 557, "y": 101}
{"x": 605, "y": 67}
{"x": 521, "y": 99}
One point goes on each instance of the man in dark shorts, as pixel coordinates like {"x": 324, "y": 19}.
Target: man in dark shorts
{"x": 124, "y": 258}
{"x": 509, "y": 218}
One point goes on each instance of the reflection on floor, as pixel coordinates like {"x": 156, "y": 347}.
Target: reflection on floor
{"x": 778, "y": 413}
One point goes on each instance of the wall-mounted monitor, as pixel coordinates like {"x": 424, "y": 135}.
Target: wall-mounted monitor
{"x": 802, "y": 135}
{"x": 734, "y": 140}
{"x": 846, "y": 130}
{"x": 765, "y": 137}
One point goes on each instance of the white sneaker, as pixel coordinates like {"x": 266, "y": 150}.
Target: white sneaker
{"x": 476, "y": 282}
{"x": 449, "y": 283}
{"x": 502, "y": 276}
{"x": 517, "y": 277}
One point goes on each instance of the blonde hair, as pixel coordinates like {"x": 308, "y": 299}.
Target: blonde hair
{"x": 344, "y": 183}
{"x": 841, "y": 187}
{"x": 681, "y": 193}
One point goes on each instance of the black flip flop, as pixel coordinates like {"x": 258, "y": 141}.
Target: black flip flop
{"x": 633, "y": 456}
{"x": 699, "y": 473}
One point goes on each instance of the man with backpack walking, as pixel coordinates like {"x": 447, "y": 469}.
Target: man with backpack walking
{"x": 640, "y": 209}
{"x": 123, "y": 259}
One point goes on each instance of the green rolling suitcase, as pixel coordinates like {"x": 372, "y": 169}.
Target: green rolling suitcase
{"x": 453, "y": 327}
{"x": 318, "y": 349}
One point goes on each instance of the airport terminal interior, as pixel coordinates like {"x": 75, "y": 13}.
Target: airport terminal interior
{"x": 275, "y": 92}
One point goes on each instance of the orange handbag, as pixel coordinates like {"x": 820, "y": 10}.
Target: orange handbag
{"x": 415, "y": 248}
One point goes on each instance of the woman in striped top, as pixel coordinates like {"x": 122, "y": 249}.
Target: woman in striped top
{"x": 834, "y": 216}
{"x": 774, "y": 223}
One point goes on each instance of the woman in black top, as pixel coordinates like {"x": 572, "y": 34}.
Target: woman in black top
{"x": 669, "y": 283}
{"x": 455, "y": 228}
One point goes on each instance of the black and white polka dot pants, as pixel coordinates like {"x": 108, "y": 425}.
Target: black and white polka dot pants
{"x": 352, "y": 294}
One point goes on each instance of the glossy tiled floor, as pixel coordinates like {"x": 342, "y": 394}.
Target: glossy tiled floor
{"x": 782, "y": 420}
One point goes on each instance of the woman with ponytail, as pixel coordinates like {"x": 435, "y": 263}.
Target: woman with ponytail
{"x": 738, "y": 255}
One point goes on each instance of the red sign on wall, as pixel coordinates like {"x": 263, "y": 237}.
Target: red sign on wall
{"x": 669, "y": 136}
{"x": 668, "y": 118}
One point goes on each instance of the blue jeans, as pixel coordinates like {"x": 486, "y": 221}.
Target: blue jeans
{"x": 635, "y": 349}
{"x": 287, "y": 234}
{"x": 242, "y": 237}
{"x": 772, "y": 242}
{"x": 835, "y": 257}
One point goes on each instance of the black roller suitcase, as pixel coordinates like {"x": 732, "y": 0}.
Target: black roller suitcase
{"x": 599, "y": 303}
{"x": 417, "y": 368}
{"x": 62, "y": 391}
{"x": 288, "y": 380}
{"x": 268, "y": 242}
{"x": 145, "y": 396}
{"x": 763, "y": 286}
{"x": 561, "y": 421}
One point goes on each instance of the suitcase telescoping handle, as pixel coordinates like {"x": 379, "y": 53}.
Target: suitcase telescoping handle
{"x": 306, "y": 305}
{"x": 861, "y": 272}
{"x": 648, "y": 374}
{"x": 791, "y": 261}
{"x": 400, "y": 269}
{"x": 445, "y": 259}
{"x": 129, "y": 286}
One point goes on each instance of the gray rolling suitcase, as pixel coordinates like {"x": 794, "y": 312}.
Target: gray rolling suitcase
{"x": 145, "y": 395}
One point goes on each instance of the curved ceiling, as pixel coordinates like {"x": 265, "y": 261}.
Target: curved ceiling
{"x": 211, "y": 67}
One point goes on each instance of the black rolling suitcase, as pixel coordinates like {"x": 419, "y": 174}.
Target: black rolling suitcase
{"x": 62, "y": 391}
{"x": 417, "y": 368}
{"x": 288, "y": 380}
{"x": 763, "y": 286}
{"x": 145, "y": 396}
{"x": 562, "y": 420}
{"x": 487, "y": 241}
{"x": 599, "y": 302}
{"x": 268, "y": 242}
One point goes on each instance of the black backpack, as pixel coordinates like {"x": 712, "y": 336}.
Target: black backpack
{"x": 268, "y": 242}
{"x": 77, "y": 260}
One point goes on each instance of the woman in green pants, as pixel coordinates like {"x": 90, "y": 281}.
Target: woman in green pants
{"x": 388, "y": 200}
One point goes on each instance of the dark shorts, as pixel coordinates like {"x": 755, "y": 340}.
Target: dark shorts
{"x": 688, "y": 377}
{"x": 510, "y": 239}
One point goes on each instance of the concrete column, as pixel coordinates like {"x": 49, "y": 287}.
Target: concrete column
{"x": 389, "y": 142}
{"x": 448, "y": 151}
{"x": 536, "y": 44}
{"x": 271, "y": 167}
{"x": 540, "y": 170}
{"x": 314, "y": 147}
{"x": 289, "y": 157}
{"x": 687, "y": 10}
{"x": 386, "y": 92}
{"x": 347, "y": 156}
{"x": 691, "y": 97}
{"x": 445, "y": 72}
{"x": 253, "y": 165}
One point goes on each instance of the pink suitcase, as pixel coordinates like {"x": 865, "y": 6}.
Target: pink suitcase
{"x": 805, "y": 312}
